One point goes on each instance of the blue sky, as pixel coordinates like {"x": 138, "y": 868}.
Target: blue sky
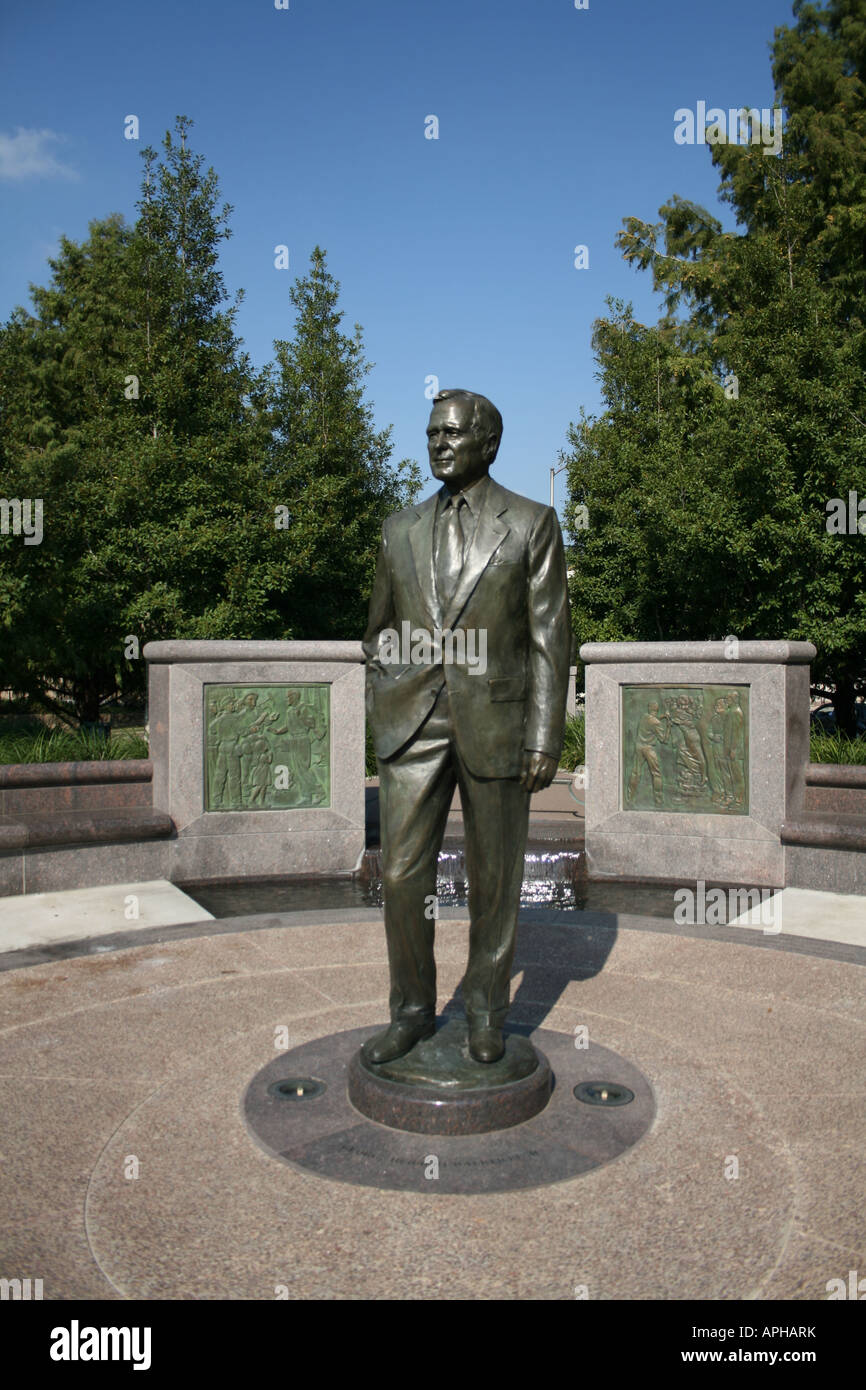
{"x": 456, "y": 254}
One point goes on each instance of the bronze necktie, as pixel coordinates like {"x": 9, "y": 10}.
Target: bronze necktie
{"x": 449, "y": 562}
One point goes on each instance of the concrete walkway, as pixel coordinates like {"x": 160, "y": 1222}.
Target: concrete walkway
{"x": 806, "y": 912}
{"x": 127, "y": 1172}
{"x": 39, "y": 919}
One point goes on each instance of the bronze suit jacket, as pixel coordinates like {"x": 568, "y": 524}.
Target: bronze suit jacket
{"x": 513, "y": 586}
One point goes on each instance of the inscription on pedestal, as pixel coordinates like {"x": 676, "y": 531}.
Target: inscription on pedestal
{"x": 267, "y": 747}
{"x": 685, "y": 748}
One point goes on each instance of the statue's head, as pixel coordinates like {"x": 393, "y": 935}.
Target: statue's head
{"x": 462, "y": 437}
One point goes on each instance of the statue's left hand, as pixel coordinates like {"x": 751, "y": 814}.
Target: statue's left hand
{"x": 538, "y": 770}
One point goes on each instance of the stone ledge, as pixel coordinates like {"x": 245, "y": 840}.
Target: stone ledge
{"x": 105, "y": 770}
{"x": 183, "y": 653}
{"x": 85, "y": 827}
{"x": 836, "y": 775}
{"x": 753, "y": 653}
{"x": 826, "y": 830}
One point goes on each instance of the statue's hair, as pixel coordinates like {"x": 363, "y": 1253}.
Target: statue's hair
{"x": 486, "y": 419}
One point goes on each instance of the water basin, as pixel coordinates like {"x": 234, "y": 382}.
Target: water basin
{"x": 553, "y": 879}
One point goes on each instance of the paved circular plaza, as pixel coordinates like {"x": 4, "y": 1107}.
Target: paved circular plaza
{"x": 127, "y": 1170}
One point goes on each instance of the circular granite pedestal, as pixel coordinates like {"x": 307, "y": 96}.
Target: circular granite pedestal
{"x": 439, "y": 1088}
{"x": 297, "y": 1109}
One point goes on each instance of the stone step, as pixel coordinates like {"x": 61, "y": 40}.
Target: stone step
{"x": 835, "y": 787}
{"x": 826, "y": 850}
{"x": 826, "y": 830}
{"x": 41, "y": 789}
{"x": 84, "y": 828}
{"x": 105, "y": 770}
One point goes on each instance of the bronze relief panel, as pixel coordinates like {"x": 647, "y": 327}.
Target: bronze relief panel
{"x": 267, "y": 747}
{"x": 685, "y": 748}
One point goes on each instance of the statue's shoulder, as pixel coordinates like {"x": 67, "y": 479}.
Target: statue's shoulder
{"x": 398, "y": 522}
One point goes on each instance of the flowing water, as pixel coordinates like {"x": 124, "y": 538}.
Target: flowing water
{"x": 552, "y": 878}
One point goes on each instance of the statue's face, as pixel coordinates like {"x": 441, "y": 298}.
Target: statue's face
{"x": 458, "y": 456}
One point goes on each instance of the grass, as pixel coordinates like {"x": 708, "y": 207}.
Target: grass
{"x": 23, "y": 741}
{"x": 836, "y": 748}
{"x": 574, "y": 743}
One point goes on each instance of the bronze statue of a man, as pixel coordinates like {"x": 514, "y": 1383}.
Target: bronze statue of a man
{"x": 474, "y": 569}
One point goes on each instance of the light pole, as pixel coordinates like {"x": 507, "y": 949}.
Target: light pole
{"x": 553, "y": 473}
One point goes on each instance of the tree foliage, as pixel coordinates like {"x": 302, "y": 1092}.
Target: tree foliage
{"x": 731, "y": 424}
{"x": 129, "y": 407}
{"x": 327, "y": 465}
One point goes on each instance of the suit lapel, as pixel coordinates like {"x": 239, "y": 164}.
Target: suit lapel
{"x": 421, "y": 543}
{"x": 489, "y": 535}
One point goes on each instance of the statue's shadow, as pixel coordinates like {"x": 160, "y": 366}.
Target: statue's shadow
{"x": 549, "y": 958}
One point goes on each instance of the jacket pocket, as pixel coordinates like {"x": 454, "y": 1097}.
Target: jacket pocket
{"x": 507, "y": 688}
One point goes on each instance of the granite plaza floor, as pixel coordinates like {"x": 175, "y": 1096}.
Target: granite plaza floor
{"x": 126, "y": 1171}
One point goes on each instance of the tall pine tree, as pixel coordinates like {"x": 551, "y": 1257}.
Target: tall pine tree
{"x": 328, "y": 466}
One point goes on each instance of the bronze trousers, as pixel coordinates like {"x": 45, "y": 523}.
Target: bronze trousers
{"x": 416, "y": 788}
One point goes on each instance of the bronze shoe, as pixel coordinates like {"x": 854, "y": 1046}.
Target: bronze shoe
{"x": 397, "y": 1040}
{"x": 486, "y": 1043}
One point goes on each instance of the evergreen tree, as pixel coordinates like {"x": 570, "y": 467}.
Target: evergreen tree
{"x": 128, "y": 408}
{"x": 61, "y": 394}
{"x": 328, "y": 466}
{"x": 184, "y": 494}
{"x": 756, "y": 419}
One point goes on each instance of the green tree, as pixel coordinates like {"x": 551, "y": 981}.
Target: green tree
{"x": 128, "y": 407}
{"x": 328, "y": 466}
{"x": 657, "y": 505}
{"x": 62, "y": 379}
{"x": 731, "y": 425}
